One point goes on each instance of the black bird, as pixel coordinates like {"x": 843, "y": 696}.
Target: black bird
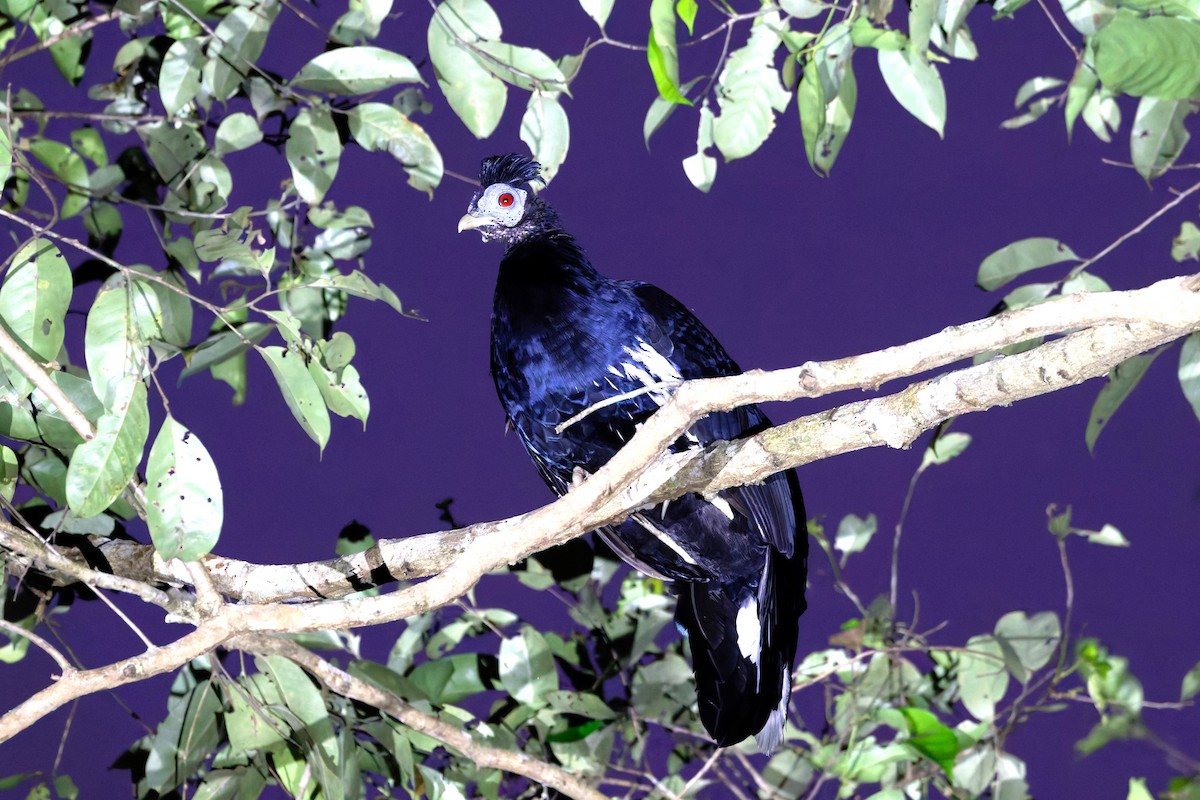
{"x": 564, "y": 338}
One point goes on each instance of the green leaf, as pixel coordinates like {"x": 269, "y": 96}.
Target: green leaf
{"x": 1186, "y": 245}
{"x": 854, "y": 534}
{"x": 1138, "y": 790}
{"x": 1191, "y": 684}
{"x": 449, "y": 679}
{"x": 1080, "y": 90}
{"x": 1033, "y": 640}
{"x": 1121, "y": 381}
{"x": 974, "y": 770}
{"x": 662, "y": 53}
{"x": 827, "y": 97}
{"x": 185, "y": 505}
{"x": 304, "y": 699}
{"x": 686, "y": 9}
{"x": 750, "y": 92}
{"x": 300, "y": 392}
{"x": 931, "y": 737}
{"x": 943, "y": 448}
{"x": 701, "y": 168}
{"x": 359, "y": 285}
{"x": 1020, "y": 257}
{"x": 1084, "y": 282}
{"x": 477, "y": 96}
{"x": 101, "y": 469}
{"x": 34, "y": 300}
{"x": 921, "y": 16}
{"x": 1158, "y": 135}
{"x": 313, "y": 151}
{"x": 236, "y": 132}
{"x": 598, "y": 10}
{"x": 1155, "y": 56}
{"x": 660, "y": 110}
{"x": 527, "y": 669}
{"x": 523, "y": 67}
{"x": 6, "y": 159}
{"x": 982, "y": 679}
{"x": 179, "y": 79}
{"x": 1088, "y": 16}
{"x": 545, "y": 129}
{"x": 68, "y": 167}
{"x": 10, "y": 472}
{"x": 191, "y": 731}
{"x": 916, "y": 85}
{"x": 342, "y": 391}
{"x": 235, "y": 46}
{"x": 355, "y": 70}
{"x": 224, "y": 344}
{"x": 1189, "y": 371}
{"x": 378, "y": 126}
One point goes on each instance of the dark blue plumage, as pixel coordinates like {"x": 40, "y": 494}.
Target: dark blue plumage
{"x": 564, "y": 338}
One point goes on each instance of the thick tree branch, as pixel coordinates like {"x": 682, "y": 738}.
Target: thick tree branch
{"x": 1171, "y": 304}
{"x": 1117, "y": 326}
{"x": 345, "y": 684}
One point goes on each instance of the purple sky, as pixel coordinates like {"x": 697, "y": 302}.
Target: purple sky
{"x": 784, "y": 267}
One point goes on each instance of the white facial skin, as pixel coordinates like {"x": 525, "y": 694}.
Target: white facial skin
{"x": 499, "y": 204}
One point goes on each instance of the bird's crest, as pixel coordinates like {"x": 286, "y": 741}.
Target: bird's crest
{"x": 513, "y": 169}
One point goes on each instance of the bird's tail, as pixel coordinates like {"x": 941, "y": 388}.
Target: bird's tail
{"x": 742, "y": 651}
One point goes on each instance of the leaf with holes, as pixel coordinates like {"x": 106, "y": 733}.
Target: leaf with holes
{"x": 100, "y": 469}
{"x": 378, "y": 126}
{"x": 1020, "y": 257}
{"x": 34, "y": 300}
{"x": 313, "y": 151}
{"x": 1122, "y": 380}
{"x": 183, "y": 491}
{"x": 300, "y": 392}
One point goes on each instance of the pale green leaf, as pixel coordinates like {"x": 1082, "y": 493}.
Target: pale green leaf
{"x": 854, "y": 534}
{"x": 1035, "y": 86}
{"x": 10, "y": 472}
{"x": 527, "y": 669}
{"x": 68, "y": 167}
{"x": 524, "y": 67}
{"x": 545, "y": 129}
{"x": 355, "y": 70}
{"x": 101, "y": 468}
{"x": 1088, "y": 16}
{"x": 1138, "y": 790}
{"x": 1031, "y": 294}
{"x": 477, "y": 96}
{"x": 1080, "y": 91}
{"x": 113, "y": 346}
{"x": 185, "y": 505}
{"x": 1156, "y": 56}
{"x": 1158, "y": 135}
{"x": 660, "y": 110}
{"x": 701, "y": 170}
{"x": 236, "y": 45}
{"x": 342, "y": 390}
{"x": 982, "y": 678}
{"x": 1033, "y": 640}
{"x": 598, "y": 10}
{"x": 1189, "y": 371}
{"x": 1084, "y": 282}
{"x": 750, "y": 92}
{"x": 974, "y": 770}
{"x": 378, "y": 126}
{"x": 300, "y": 392}
{"x": 916, "y": 85}
{"x": 686, "y": 9}
{"x": 921, "y": 15}
{"x": 1020, "y": 257}
{"x": 313, "y": 151}
{"x": 1122, "y": 380}
{"x": 6, "y": 160}
{"x": 237, "y": 132}
{"x": 34, "y": 300}
{"x": 301, "y": 696}
{"x": 1191, "y": 684}
{"x": 179, "y": 79}
{"x": 944, "y": 448}
{"x": 663, "y": 54}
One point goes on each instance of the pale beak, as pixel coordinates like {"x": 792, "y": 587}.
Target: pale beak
{"x": 471, "y": 222}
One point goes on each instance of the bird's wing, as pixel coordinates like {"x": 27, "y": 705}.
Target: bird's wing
{"x": 676, "y": 333}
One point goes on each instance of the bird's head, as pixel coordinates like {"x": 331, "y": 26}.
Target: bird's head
{"x": 505, "y": 207}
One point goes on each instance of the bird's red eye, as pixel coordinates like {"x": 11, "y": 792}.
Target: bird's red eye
{"x": 505, "y": 200}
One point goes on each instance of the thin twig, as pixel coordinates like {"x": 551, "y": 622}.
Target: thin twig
{"x": 49, "y": 649}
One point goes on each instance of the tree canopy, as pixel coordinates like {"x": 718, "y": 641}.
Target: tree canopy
{"x": 205, "y": 210}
